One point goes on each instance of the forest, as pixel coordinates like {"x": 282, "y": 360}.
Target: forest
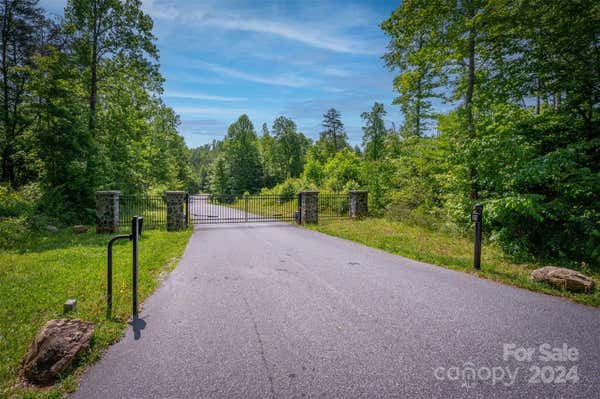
{"x": 518, "y": 83}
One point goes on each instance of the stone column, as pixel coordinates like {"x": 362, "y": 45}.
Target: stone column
{"x": 309, "y": 207}
{"x": 175, "y": 210}
{"x": 107, "y": 211}
{"x": 358, "y": 204}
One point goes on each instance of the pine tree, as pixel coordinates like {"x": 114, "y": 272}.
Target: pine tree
{"x": 375, "y": 133}
{"x": 334, "y": 134}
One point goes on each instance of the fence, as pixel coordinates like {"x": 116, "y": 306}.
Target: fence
{"x": 153, "y": 208}
{"x": 176, "y": 209}
{"x": 224, "y": 208}
{"x": 333, "y": 206}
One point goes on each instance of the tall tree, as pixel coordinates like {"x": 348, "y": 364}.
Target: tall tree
{"x": 22, "y": 23}
{"x": 64, "y": 143}
{"x": 334, "y": 134}
{"x": 414, "y": 31}
{"x": 109, "y": 35}
{"x": 242, "y": 155}
{"x": 290, "y": 147}
{"x": 268, "y": 158}
{"x": 375, "y": 134}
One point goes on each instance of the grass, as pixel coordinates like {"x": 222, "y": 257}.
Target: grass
{"x": 449, "y": 251}
{"x": 37, "y": 278}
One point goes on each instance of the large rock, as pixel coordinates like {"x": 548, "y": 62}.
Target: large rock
{"x": 563, "y": 278}
{"x": 79, "y": 229}
{"x": 54, "y": 348}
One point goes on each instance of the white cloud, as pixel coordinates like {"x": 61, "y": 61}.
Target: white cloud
{"x": 165, "y": 11}
{"x": 318, "y": 30}
{"x": 305, "y": 34}
{"x": 201, "y": 96}
{"x": 207, "y": 111}
{"x": 289, "y": 80}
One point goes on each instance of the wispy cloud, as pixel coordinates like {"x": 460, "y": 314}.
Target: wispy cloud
{"x": 314, "y": 38}
{"x": 325, "y": 34}
{"x": 201, "y": 96}
{"x": 190, "y": 110}
{"x": 289, "y": 80}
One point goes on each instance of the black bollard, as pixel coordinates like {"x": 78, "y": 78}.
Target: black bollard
{"x": 476, "y": 217}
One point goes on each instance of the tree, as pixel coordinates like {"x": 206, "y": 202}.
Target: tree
{"x": 313, "y": 172}
{"x": 375, "y": 134}
{"x": 242, "y": 155}
{"x": 414, "y": 31}
{"x": 268, "y": 158}
{"x": 22, "y": 23}
{"x": 219, "y": 176}
{"x": 334, "y": 135}
{"x": 343, "y": 171}
{"x": 290, "y": 147}
{"x": 109, "y": 36}
{"x": 64, "y": 143}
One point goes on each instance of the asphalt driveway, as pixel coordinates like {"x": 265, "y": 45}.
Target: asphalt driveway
{"x": 271, "y": 310}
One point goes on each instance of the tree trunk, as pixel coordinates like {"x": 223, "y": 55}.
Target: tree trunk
{"x": 94, "y": 72}
{"x": 474, "y": 194}
{"x": 7, "y": 174}
{"x": 335, "y": 146}
{"x": 93, "y": 92}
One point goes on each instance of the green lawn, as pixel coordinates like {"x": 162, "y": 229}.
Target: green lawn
{"x": 36, "y": 279}
{"x": 446, "y": 250}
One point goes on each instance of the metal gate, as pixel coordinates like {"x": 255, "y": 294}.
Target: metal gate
{"x": 225, "y": 208}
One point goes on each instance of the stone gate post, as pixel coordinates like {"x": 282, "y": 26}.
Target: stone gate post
{"x": 107, "y": 211}
{"x": 358, "y": 203}
{"x": 176, "y": 218}
{"x": 309, "y": 207}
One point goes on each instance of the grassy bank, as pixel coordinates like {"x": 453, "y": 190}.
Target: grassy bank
{"x": 38, "y": 277}
{"x": 446, "y": 250}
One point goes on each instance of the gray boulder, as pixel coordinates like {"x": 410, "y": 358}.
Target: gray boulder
{"x": 51, "y": 228}
{"x": 57, "y": 343}
{"x": 564, "y": 278}
{"x": 80, "y": 229}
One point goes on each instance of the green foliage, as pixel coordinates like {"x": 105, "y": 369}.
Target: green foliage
{"x": 290, "y": 147}
{"x": 375, "y": 133}
{"x": 333, "y": 137}
{"x": 242, "y": 156}
{"x": 82, "y": 106}
{"x": 13, "y": 232}
{"x": 343, "y": 171}
{"x": 535, "y": 168}
{"x": 314, "y": 172}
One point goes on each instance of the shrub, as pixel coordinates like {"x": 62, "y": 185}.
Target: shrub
{"x": 13, "y": 231}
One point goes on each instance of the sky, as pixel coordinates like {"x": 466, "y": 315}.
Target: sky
{"x": 224, "y": 58}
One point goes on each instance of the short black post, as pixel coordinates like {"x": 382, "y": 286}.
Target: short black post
{"x": 135, "y": 236}
{"x": 476, "y": 217}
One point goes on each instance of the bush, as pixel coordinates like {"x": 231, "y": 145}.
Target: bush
{"x": 19, "y": 203}
{"x": 13, "y": 231}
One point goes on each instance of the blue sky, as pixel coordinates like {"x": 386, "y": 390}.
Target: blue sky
{"x": 224, "y": 58}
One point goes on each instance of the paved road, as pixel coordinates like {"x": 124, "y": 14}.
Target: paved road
{"x": 275, "y": 311}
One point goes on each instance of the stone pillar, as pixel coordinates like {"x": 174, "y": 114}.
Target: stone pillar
{"x": 358, "y": 204}
{"x": 309, "y": 207}
{"x": 107, "y": 211}
{"x": 176, "y": 219}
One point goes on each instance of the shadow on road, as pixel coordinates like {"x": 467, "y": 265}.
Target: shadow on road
{"x": 138, "y": 325}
